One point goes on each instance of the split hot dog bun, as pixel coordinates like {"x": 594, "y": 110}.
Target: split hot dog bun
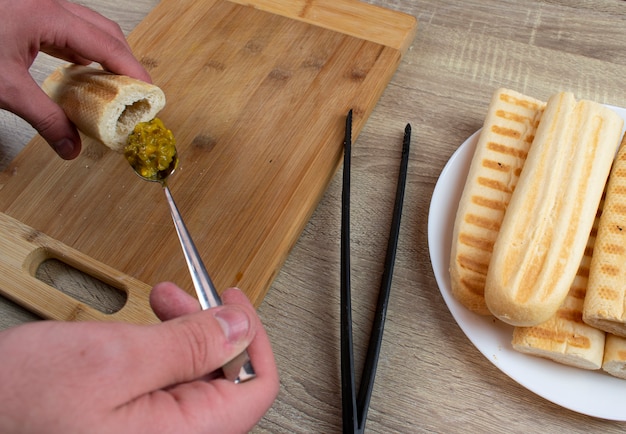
{"x": 102, "y": 105}
{"x": 507, "y": 133}
{"x": 565, "y": 338}
{"x": 549, "y": 218}
{"x": 606, "y": 296}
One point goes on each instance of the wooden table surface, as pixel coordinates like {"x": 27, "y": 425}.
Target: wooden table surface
{"x": 430, "y": 377}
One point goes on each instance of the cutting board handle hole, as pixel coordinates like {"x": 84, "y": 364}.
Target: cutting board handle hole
{"x": 81, "y": 286}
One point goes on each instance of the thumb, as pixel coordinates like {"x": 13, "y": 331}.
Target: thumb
{"x": 31, "y": 103}
{"x": 188, "y": 348}
{"x": 207, "y": 342}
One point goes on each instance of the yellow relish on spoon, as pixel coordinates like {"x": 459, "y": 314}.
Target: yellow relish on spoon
{"x": 151, "y": 150}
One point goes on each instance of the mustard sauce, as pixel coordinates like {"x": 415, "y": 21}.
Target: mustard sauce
{"x": 150, "y": 148}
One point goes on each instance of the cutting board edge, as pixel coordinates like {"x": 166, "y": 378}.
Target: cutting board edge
{"x": 30, "y": 248}
{"x": 370, "y": 22}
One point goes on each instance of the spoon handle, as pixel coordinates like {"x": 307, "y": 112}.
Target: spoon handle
{"x": 205, "y": 290}
{"x": 239, "y": 369}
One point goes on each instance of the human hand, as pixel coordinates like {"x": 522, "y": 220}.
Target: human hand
{"x": 97, "y": 377}
{"x": 65, "y": 30}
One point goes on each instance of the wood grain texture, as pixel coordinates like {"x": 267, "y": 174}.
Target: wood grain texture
{"x": 23, "y": 250}
{"x": 355, "y": 18}
{"x": 430, "y": 378}
{"x": 257, "y": 102}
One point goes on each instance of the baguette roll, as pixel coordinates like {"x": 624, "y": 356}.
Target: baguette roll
{"x": 565, "y": 338}
{"x": 507, "y": 133}
{"x": 545, "y": 229}
{"x": 102, "y": 105}
{"x": 605, "y": 306}
{"x": 615, "y": 356}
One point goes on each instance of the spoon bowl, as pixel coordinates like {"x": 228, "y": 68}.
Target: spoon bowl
{"x": 159, "y": 176}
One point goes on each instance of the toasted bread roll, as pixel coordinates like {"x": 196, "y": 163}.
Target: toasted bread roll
{"x": 605, "y": 306}
{"x": 102, "y": 105}
{"x": 615, "y": 356}
{"x": 565, "y": 338}
{"x": 507, "y": 133}
{"x": 549, "y": 218}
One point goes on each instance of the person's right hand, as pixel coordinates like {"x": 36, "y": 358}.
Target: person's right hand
{"x": 98, "y": 377}
{"x": 65, "y": 30}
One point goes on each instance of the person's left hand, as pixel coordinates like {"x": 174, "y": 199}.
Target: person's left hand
{"x": 65, "y": 30}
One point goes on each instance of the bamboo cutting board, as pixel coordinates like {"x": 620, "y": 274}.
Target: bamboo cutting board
{"x": 257, "y": 93}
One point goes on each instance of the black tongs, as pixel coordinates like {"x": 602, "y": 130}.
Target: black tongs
{"x": 354, "y": 406}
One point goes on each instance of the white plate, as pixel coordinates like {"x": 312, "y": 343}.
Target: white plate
{"x": 593, "y": 393}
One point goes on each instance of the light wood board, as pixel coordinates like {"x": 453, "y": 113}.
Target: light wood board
{"x": 257, "y": 97}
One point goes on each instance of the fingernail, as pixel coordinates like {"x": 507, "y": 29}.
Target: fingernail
{"x": 233, "y": 321}
{"x": 65, "y": 148}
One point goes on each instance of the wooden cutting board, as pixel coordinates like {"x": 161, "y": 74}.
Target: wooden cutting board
{"x": 257, "y": 94}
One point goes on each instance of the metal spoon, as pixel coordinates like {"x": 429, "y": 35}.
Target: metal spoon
{"x": 239, "y": 369}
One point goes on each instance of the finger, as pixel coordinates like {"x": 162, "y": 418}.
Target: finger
{"x": 168, "y": 301}
{"x": 220, "y": 404}
{"x": 261, "y": 391}
{"x": 184, "y": 349}
{"x": 67, "y": 55}
{"x": 26, "y": 99}
{"x": 113, "y": 55}
{"x": 235, "y": 296}
{"x": 95, "y": 42}
{"x": 216, "y": 406}
{"x": 259, "y": 350}
{"x": 96, "y": 19}
{"x": 109, "y": 27}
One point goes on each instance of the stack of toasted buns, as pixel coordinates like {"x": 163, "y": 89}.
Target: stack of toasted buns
{"x": 536, "y": 240}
